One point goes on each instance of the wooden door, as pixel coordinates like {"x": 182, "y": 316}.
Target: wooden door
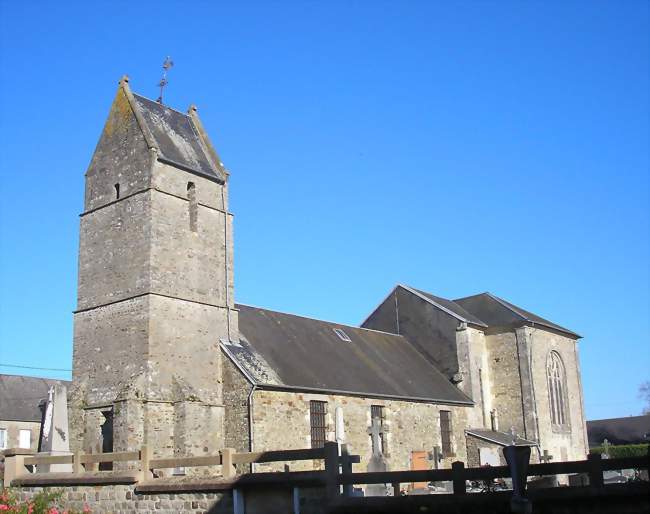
{"x": 419, "y": 463}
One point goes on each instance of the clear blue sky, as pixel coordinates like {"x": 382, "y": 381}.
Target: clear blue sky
{"x": 457, "y": 147}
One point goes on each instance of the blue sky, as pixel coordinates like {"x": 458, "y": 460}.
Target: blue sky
{"x": 458, "y": 147}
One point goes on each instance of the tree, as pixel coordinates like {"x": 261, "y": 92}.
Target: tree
{"x": 644, "y": 394}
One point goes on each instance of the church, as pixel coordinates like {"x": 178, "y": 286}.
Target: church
{"x": 164, "y": 356}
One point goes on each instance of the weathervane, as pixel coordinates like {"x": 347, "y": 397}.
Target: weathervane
{"x": 163, "y": 81}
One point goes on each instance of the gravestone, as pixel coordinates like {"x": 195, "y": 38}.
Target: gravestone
{"x": 54, "y": 432}
{"x": 377, "y": 461}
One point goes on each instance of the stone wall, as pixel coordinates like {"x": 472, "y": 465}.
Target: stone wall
{"x": 235, "y": 398}
{"x": 123, "y": 499}
{"x": 155, "y": 296}
{"x": 568, "y": 442}
{"x": 126, "y": 499}
{"x": 281, "y": 420}
{"x": 505, "y": 385}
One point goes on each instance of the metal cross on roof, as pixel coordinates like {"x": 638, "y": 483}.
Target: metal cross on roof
{"x": 163, "y": 81}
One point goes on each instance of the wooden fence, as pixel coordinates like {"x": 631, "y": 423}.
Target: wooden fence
{"x": 337, "y": 478}
{"x": 84, "y": 466}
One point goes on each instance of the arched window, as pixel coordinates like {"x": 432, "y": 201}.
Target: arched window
{"x": 117, "y": 191}
{"x": 193, "y": 205}
{"x": 556, "y": 389}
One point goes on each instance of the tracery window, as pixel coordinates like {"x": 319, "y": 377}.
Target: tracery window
{"x": 556, "y": 389}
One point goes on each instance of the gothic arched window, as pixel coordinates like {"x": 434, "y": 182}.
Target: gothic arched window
{"x": 193, "y": 205}
{"x": 556, "y": 389}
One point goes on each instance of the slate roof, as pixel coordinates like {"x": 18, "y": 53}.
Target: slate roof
{"x": 281, "y": 351}
{"x": 501, "y": 438}
{"x": 630, "y": 430}
{"x": 20, "y": 396}
{"x": 495, "y": 311}
{"x": 177, "y": 139}
{"x": 448, "y": 305}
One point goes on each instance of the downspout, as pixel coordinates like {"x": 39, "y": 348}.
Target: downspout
{"x": 250, "y": 423}
{"x": 521, "y": 385}
{"x": 225, "y": 255}
{"x": 532, "y": 385}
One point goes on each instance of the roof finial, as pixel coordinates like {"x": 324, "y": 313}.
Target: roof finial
{"x": 163, "y": 81}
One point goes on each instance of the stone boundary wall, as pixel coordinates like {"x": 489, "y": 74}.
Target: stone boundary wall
{"x": 109, "y": 499}
{"x": 125, "y": 499}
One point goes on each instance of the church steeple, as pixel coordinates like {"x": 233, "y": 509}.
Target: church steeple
{"x": 155, "y": 292}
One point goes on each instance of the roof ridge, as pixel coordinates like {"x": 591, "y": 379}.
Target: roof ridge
{"x": 320, "y": 319}
{"x": 423, "y": 295}
{"x": 162, "y": 105}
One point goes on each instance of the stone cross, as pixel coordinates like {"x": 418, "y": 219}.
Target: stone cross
{"x": 54, "y": 432}
{"x": 547, "y": 457}
{"x": 339, "y": 426}
{"x": 375, "y": 432}
{"x": 606, "y": 446}
{"x": 513, "y": 432}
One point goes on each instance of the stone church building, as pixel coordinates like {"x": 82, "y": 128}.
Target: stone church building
{"x": 164, "y": 356}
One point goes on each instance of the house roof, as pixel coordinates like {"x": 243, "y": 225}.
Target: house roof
{"x": 177, "y": 138}
{"x": 500, "y": 438}
{"x": 20, "y": 396}
{"x": 453, "y": 308}
{"x": 281, "y": 350}
{"x": 495, "y": 311}
{"x": 630, "y": 430}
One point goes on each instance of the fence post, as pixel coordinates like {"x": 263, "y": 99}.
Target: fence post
{"x": 76, "y": 462}
{"x": 227, "y": 467}
{"x": 14, "y": 467}
{"x": 145, "y": 466}
{"x": 595, "y": 471}
{"x": 458, "y": 477}
{"x": 346, "y": 468}
{"x": 331, "y": 470}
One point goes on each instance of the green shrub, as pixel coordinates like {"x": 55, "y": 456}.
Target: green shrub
{"x": 623, "y": 450}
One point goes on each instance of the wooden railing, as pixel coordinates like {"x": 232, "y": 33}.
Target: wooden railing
{"x": 594, "y": 467}
{"x": 16, "y": 461}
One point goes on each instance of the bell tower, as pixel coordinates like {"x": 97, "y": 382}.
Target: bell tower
{"x": 155, "y": 285}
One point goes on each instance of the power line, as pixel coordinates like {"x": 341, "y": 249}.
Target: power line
{"x": 32, "y": 367}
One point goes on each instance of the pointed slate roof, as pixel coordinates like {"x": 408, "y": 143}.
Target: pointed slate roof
{"x": 279, "y": 350}
{"x": 497, "y": 312}
{"x": 177, "y": 138}
{"x": 453, "y": 308}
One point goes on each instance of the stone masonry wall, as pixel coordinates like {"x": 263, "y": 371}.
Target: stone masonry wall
{"x": 505, "y": 384}
{"x": 235, "y": 398}
{"x": 123, "y": 499}
{"x": 569, "y": 442}
{"x": 281, "y": 420}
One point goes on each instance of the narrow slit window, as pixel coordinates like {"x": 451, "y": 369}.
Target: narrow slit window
{"x": 117, "y": 191}
{"x": 193, "y": 206}
{"x": 445, "y": 432}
